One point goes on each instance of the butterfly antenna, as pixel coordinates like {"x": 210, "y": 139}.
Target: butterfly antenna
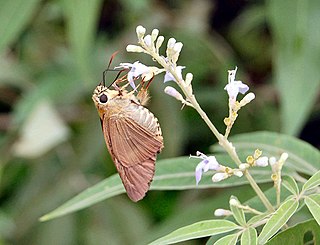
{"x": 108, "y": 68}
{"x": 116, "y": 78}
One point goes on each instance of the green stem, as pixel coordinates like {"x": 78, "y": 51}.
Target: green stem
{"x": 222, "y": 140}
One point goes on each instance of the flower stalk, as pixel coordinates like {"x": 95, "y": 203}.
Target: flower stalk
{"x": 170, "y": 66}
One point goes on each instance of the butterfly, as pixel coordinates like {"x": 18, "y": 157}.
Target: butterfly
{"x": 132, "y": 134}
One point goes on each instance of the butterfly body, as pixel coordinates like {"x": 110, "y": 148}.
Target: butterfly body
{"x": 133, "y": 137}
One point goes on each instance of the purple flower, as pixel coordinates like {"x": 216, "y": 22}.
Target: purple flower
{"x": 207, "y": 163}
{"x": 235, "y": 87}
{"x": 137, "y": 69}
{"x": 169, "y": 77}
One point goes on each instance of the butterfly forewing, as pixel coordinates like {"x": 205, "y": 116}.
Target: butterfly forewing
{"x": 133, "y": 148}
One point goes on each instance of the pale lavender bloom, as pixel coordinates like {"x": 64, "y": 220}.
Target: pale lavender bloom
{"x": 169, "y": 77}
{"x": 207, "y": 163}
{"x": 137, "y": 69}
{"x": 235, "y": 87}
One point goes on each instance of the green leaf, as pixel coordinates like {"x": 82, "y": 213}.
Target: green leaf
{"x": 296, "y": 234}
{"x": 238, "y": 213}
{"x": 303, "y": 157}
{"x": 82, "y": 16}
{"x": 227, "y": 240}
{"x": 290, "y": 184}
{"x": 14, "y": 17}
{"x": 249, "y": 236}
{"x": 278, "y": 219}
{"x": 313, "y": 203}
{"x": 171, "y": 174}
{"x": 197, "y": 230}
{"x": 294, "y": 27}
{"x": 312, "y": 182}
{"x": 258, "y": 218}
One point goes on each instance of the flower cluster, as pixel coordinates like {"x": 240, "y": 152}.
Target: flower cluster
{"x": 233, "y": 88}
{"x": 150, "y": 44}
{"x": 255, "y": 160}
{"x": 211, "y": 163}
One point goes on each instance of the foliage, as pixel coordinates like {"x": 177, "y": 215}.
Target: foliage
{"x": 52, "y": 54}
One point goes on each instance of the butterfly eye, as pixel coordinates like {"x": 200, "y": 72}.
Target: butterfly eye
{"x": 103, "y": 98}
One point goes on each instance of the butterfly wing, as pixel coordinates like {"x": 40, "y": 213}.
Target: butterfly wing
{"x": 134, "y": 150}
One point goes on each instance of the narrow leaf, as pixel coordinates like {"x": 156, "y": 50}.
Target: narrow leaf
{"x": 290, "y": 184}
{"x": 249, "y": 236}
{"x": 227, "y": 240}
{"x": 238, "y": 213}
{"x": 313, "y": 203}
{"x": 278, "y": 219}
{"x": 258, "y": 218}
{"x": 14, "y": 16}
{"x": 171, "y": 174}
{"x": 312, "y": 182}
{"x": 294, "y": 27}
{"x": 197, "y": 230}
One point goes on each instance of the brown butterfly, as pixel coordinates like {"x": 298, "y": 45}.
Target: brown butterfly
{"x": 132, "y": 134}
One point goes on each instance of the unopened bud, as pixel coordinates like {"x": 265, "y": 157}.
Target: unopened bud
{"x": 244, "y": 166}
{"x": 189, "y": 78}
{"x": 247, "y": 99}
{"x": 173, "y": 92}
{"x": 219, "y": 176}
{"x": 154, "y": 34}
{"x": 171, "y": 43}
{"x": 234, "y": 202}
{"x": 177, "y": 47}
{"x": 284, "y": 156}
{"x": 147, "y": 40}
{"x": 134, "y": 48}
{"x": 272, "y": 161}
{"x": 262, "y": 161}
{"x": 140, "y": 30}
{"x": 159, "y": 42}
{"x": 237, "y": 172}
{"x": 222, "y": 212}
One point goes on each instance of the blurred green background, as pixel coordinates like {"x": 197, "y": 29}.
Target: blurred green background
{"x": 52, "y": 54}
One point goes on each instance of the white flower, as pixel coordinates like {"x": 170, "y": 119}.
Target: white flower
{"x": 169, "y": 77}
{"x": 235, "y": 87}
{"x": 207, "y": 163}
{"x": 262, "y": 161}
{"x": 137, "y": 69}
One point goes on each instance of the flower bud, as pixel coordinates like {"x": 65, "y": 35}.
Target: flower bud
{"x": 244, "y": 166}
{"x": 234, "y": 202}
{"x": 173, "y": 92}
{"x": 171, "y": 43}
{"x": 134, "y": 48}
{"x": 247, "y": 99}
{"x": 284, "y": 156}
{"x": 272, "y": 161}
{"x": 189, "y": 78}
{"x": 262, "y": 161}
{"x": 140, "y": 30}
{"x": 159, "y": 42}
{"x": 222, "y": 212}
{"x": 177, "y": 47}
{"x": 154, "y": 34}
{"x": 237, "y": 172}
{"x": 219, "y": 176}
{"x": 147, "y": 40}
